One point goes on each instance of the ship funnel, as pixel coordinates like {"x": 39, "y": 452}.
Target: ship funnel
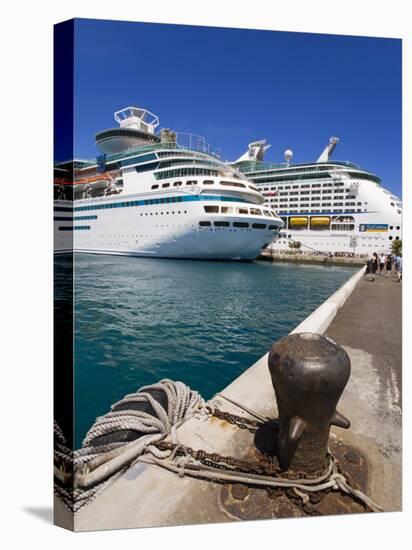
{"x": 328, "y": 150}
{"x": 256, "y": 151}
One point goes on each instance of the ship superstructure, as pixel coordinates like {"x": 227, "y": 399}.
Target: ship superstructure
{"x": 327, "y": 205}
{"x": 158, "y": 195}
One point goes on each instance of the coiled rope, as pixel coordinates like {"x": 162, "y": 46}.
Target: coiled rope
{"x": 97, "y": 464}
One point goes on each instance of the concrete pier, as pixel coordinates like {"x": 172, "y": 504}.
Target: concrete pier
{"x": 369, "y": 327}
{"x": 365, "y": 318}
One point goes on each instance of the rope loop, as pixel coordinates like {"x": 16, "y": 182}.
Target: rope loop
{"x": 91, "y": 459}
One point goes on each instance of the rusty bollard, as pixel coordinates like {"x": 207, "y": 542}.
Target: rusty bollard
{"x": 309, "y": 373}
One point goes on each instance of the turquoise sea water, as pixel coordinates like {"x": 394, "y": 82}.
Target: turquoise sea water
{"x": 140, "y": 320}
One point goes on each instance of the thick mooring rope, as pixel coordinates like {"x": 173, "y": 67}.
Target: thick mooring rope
{"x": 81, "y": 475}
{"x": 95, "y": 465}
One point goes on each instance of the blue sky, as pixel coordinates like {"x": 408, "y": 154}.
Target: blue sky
{"x": 234, "y": 86}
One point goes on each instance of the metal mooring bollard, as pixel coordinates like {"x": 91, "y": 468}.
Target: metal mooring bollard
{"x": 309, "y": 373}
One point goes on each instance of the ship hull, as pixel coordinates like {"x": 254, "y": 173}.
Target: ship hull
{"x": 157, "y": 232}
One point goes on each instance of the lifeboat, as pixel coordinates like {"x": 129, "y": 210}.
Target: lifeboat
{"x": 93, "y": 179}
{"x": 320, "y": 222}
{"x": 301, "y": 222}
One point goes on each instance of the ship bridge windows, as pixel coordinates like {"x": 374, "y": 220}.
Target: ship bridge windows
{"x": 255, "y": 212}
{"x": 232, "y": 183}
{"x": 182, "y": 172}
{"x": 211, "y": 209}
{"x": 259, "y": 225}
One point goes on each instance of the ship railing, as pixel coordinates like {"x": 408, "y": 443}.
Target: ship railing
{"x": 195, "y": 142}
{"x": 184, "y": 141}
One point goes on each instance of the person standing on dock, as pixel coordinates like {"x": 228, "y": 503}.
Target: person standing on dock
{"x": 382, "y": 261}
{"x": 368, "y": 271}
{"x": 399, "y": 267}
{"x": 375, "y": 264}
{"x": 388, "y": 265}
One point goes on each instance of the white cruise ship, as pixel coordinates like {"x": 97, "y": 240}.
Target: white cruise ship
{"x": 326, "y": 206}
{"x": 158, "y": 195}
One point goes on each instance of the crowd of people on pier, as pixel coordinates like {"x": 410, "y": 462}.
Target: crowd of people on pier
{"x": 315, "y": 253}
{"x": 384, "y": 264}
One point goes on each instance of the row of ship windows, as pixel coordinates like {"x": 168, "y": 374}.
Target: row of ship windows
{"x": 305, "y": 186}
{"x": 161, "y": 213}
{"x": 324, "y": 191}
{"x": 204, "y": 182}
{"x": 314, "y": 211}
{"x": 243, "y": 225}
{"x": 275, "y": 202}
{"x": 212, "y": 209}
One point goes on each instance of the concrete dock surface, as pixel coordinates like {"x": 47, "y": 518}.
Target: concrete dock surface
{"x": 368, "y": 326}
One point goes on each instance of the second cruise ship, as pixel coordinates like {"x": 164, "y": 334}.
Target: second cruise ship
{"x": 160, "y": 194}
{"x": 327, "y": 205}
